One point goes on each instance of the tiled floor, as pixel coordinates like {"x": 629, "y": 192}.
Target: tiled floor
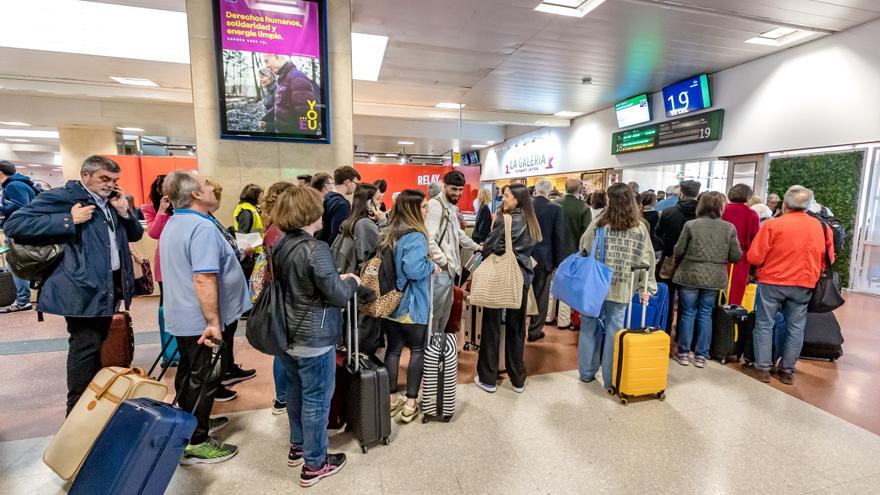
{"x": 718, "y": 432}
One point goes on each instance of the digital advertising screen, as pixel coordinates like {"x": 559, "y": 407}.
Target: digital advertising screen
{"x": 272, "y": 69}
{"x": 633, "y": 111}
{"x": 690, "y": 95}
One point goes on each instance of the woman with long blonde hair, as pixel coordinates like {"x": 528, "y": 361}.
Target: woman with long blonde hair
{"x": 483, "y": 225}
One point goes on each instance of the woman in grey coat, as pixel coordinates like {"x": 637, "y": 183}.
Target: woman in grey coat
{"x": 705, "y": 248}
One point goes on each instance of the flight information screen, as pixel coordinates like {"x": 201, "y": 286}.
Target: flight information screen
{"x": 633, "y": 111}
{"x": 687, "y": 96}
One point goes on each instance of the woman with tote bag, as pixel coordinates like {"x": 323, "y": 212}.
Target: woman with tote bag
{"x": 500, "y": 285}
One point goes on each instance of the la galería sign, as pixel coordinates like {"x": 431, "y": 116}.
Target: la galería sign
{"x": 524, "y": 164}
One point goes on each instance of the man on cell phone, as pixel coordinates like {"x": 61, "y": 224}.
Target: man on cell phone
{"x": 91, "y": 218}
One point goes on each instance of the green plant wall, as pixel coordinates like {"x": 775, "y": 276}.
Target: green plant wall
{"x": 834, "y": 178}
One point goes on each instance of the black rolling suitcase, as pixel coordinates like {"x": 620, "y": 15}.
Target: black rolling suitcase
{"x": 822, "y": 337}
{"x": 367, "y": 405}
{"x": 728, "y": 321}
{"x": 8, "y": 292}
{"x": 441, "y": 371}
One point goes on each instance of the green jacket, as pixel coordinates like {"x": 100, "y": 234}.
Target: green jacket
{"x": 705, "y": 248}
{"x": 576, "y": 218}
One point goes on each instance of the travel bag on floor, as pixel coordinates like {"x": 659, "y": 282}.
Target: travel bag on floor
{"x": 69, "y": 447}
{"x": 473, "y": 327}
{"x": 367, "y": 400}
{"x": 640, "y": 363}
{"x": 453, "y": 325}
{"x": 118, "y": 348}
{"x": 657, "y": 310}
{"x": 8, "y": 292}
{"x": 139, "y": 450}
{"x": 727, "y": 321}
{"x": 440, "y": 371}
{"x": 822, "y": 337}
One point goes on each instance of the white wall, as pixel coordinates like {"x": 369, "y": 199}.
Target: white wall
{"x": 823, "y": 93}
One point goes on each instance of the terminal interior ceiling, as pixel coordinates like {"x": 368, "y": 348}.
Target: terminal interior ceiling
{"x": 653, "y": 92}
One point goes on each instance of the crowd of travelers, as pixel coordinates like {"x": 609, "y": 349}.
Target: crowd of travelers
{"x": 319, "y": 239}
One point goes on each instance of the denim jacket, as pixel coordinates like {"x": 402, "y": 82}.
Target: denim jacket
{"x": 412, "y": 265}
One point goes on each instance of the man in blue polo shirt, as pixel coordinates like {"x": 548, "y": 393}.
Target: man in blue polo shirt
{"x": 205, "y": 293}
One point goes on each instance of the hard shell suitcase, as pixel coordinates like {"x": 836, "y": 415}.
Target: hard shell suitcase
{"x": 139, "y": 450}
{"x": 118, "y": 348}
{"x": 8, "y": 292}
{"x": 657, "y": 309}
{"x": 473, "y": 327}
{"x": 453, "y": 325}
{"x": 822, "y": 337}
{"x": 727, "y": 322}
{"x": 69, "y": 447}
{"x": 441, "y": 372}
{"x": 640, "y": 363}
{"x": 367, "y": 405}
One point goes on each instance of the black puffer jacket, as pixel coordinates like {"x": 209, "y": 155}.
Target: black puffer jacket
{"x": 523, "y": 244}
{"x": 672, "y": 222}
{"x": 313, "y": 291}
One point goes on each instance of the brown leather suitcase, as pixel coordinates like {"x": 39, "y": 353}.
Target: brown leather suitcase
{"x": 118, "y": 348}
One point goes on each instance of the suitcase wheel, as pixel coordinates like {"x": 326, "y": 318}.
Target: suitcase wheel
{"x": 425, "y": 419}
{"x": 467, "y": 346}
{"x": 623, "y": 401}
{"x": 661, "y": 396}
{"x": 364, "y": 449}
{"x": 386, "y": 441}
{"x": 609, "y": 391}
{"x": 447, "y": 419}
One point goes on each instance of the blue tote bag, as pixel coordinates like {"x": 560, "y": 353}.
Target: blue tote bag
{"x": 582, "y": 281}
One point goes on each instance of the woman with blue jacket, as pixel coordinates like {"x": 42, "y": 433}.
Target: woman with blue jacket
{"x": 408, "y": 237}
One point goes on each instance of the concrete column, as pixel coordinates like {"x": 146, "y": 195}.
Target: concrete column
{"x": 235, "y": 163}
{"x": 77, "y": 144}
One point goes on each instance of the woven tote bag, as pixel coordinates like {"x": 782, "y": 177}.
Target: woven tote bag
{"x": 498, "y": 282}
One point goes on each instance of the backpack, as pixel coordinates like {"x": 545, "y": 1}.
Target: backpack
{"x": 834, "y": 224}
{"x": 379, "y": 274}
{"x": 343, "y": 253}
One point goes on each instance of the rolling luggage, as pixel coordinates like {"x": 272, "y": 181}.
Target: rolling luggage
{"x": 139, "y": 450}
{"x": 657, "y": 310}
{"x": 473, "y": 327}
{"x": 822, "y": 337}
{"x": 367, "y": 407}
{"x": 727, "y": 321}
{"x": 453, "y": 325}
{"x": 69, "y": 447}
{"x": 8, "y": 292}
{"x": 118, "y": 348}
{"x": 641, "y": 359}
{"x": 441, "y": 372}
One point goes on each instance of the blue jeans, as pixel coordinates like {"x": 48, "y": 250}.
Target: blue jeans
{"x": 280, "y": 376}
{"x": 22, "y": 291}
{"x": 593, "y": 346}
{"x": 789, "y": 339}
{"x": 310, "y": 384}
{"x": 696, "y": 310}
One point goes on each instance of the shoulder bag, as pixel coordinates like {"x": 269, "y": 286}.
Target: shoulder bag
{"x": 498, "y": 282}
{"x": 267, "y": 324}
{"x": 827, "y": 294}
{"x": 583, "y": 280}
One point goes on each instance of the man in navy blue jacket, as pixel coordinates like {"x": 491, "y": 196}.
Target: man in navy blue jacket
{"x": 548, "y": 253}
{"x": 18, "y": 191}
{"x": 91, "y": 218}
{"x": 336, "y": 207}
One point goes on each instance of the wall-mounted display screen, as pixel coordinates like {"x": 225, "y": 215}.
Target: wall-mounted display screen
{"x": 272, "y": 69}
{"x": 633, "y": 111}
{"x": 470, "y": 158}
{"x": 684, "y": 130}
{"x": 687, "y": 96}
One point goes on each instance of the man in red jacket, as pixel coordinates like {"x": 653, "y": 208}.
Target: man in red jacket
{"x": 789, "y": 252}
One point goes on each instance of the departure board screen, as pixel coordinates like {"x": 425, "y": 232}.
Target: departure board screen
{"x": 687, "y": 96}
{"x": 633, "y": 111}
{"x": 685, "y": 130}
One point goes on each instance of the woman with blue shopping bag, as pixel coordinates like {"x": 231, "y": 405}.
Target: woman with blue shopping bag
{"x": 625, "y": 242}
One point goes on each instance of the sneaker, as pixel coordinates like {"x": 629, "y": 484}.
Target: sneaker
{"x": 236, "y": 375}
{"x": 520, "y": 390}
{"x": 758, "y": 374}
{"x": 225, "y": 395}
{"x": 397, "y": 405}
{"x": 278, "y": 407}
{"x": 15, "y": 308}
{"x": 785, "y": 377}
{"x": 407, "y": 414}
{"x": 682, "y": 358}
{"x": 699, "y": 361}
{"x": 295, "y": 456}
{"x": 210, "y": 452}
{"x": 488, "y": 388}
{"x": 332, "y": 465}
{"x": 217, "y": 424}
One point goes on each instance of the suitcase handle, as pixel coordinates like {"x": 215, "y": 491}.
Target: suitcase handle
{"x": 217, "y": 352}
{"x": 632, "y": 283}
{"x": 351, "y": 333}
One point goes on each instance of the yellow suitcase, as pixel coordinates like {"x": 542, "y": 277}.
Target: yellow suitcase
{"x": 640, "y": 363}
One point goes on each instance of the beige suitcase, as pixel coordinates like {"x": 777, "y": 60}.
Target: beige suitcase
{"x": 69, "y": 447}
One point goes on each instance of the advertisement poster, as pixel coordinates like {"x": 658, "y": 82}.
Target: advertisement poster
{"x": 272, "y": 65}
{"x": 400, "y": 177}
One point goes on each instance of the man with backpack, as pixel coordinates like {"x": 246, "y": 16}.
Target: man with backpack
{"x": 18, "y": 191}
{"x": 446, "y": 238}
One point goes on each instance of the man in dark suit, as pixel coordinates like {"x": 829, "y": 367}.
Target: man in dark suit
{"x": 548, "y": 253}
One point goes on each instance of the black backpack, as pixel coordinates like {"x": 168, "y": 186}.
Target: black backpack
{"x": 834, "y": 224}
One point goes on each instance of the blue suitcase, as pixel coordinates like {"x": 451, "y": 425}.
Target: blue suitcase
{"x": 138, "y": 451}
{"x": 658, "y": 309}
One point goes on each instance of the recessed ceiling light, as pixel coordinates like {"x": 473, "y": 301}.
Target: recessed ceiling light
{"x": 479, "y": 146}
{"x": 569, "y": 8}
{"x": 391, "y": 155}
{"x": 367, "y": 53}
{"x": 490, "y": 143}
{"x": 130, "y": 129}
{"x": 16, "y": 124}
{"x": 25, "y": 133}
{"x": 18, "y": 140}
{"x": 780, "y": 36}
{"x": 566, "y": 114}
{"x": 453, "y": 106}
{"x": 405, "y": 143}
{"x": 134, "y": 81}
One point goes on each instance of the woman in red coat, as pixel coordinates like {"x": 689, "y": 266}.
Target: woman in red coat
{"x": 747, "y": 223}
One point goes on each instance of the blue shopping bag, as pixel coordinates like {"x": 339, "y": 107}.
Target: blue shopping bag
{"x": 582, "y": 281}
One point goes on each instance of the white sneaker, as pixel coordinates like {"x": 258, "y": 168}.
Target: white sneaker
{"x": 488, "y": 388}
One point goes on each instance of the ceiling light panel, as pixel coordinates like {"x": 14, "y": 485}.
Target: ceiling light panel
{"x": 569, "y": 8}
{"x": 93, "y": 28}
{"x": 134, "y": 81}
{"x": 565, "y": 114}
{"x": 15, "y": 124}
{"x": 451, "y": 106}
{"x": 406, "y": 143}
{"x": 780, "y": 37}
{"x": 27, "y": 133}
{"x": 367, "y": 54}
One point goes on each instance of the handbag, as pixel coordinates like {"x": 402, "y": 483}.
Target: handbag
{"x": 267, "y": 324}
{"x": 498, "y": 282}
{"x": 143, "y": 284}
{"x": 32, "y": 262}
{"x": 668, "y": 267}
{"x": 582, "y": 281}
{"x": 827, "y": 294}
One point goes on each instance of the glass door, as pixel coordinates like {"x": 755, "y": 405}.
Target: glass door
{"x": 865, "y": 274}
